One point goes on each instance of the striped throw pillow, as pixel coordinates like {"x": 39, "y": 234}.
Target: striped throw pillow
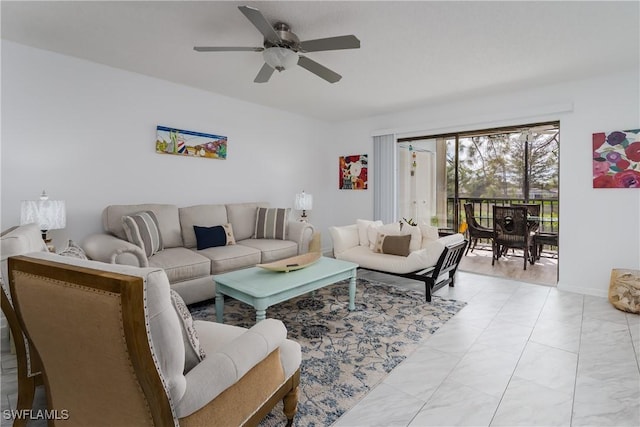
{"x": 271, "y": 223}
{"x": 142, "y": 230}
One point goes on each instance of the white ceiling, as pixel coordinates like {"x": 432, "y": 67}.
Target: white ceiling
{"x": 413, "y": 53}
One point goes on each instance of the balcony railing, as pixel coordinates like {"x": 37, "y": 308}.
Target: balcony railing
{"x": 483, "y": 211}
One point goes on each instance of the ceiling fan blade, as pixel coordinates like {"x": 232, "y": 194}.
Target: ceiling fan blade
{"x": 226, "y": 49}
{"x": 260, "y": 22}
{"x": 318, "y": 70}
{"x": 330, "y": 43}
{"x": 264, "y": 74}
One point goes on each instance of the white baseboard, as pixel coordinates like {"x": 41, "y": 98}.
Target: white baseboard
{"x": 584, "y": 291}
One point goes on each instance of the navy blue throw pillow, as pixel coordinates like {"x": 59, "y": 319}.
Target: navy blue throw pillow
{"x": 209, "y": 237}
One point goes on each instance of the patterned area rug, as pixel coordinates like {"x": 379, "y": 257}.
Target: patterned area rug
{"x": 344, "y": 353}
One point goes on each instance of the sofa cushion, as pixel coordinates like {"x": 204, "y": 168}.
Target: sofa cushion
{"x": 272, "y": 249}
{"x": 202, "y": 216}
{"x": 429, "y": 233}
{"x": 167, "y": 215}
{"x": 194, "y": 353}
{"x": 234, "y": 257}
{"x": 271, "y": 223}
{"x": 142, "y": 230}
{"x": 243, "y": 218}
{"x": 363, "y": 229}
{"x": 181, "y": 264}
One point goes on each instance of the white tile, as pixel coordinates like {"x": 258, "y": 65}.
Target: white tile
{"x": 548, "y": 366}
{"x": 421, "y": 374}
{"x": 558, "y": 334}
{"x": 454, "y": 338}
{"x": 486, "y": 369}
{"x": 454, "y": 404}
{"x": 607, "y": 400}
{"x": 505, "y": 335}
{"x": 383, "y": 406}
{"x": 601, "y": 309}
{"x": 526, "y": 403}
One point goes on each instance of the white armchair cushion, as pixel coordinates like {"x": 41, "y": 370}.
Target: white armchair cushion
{"x": 233, "y": 352}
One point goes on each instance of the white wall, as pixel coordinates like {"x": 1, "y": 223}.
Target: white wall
{"x": 599, "y": 228}
{"x": 86, "y": 133}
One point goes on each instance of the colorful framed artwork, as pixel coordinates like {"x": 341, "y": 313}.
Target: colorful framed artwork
{"x": 189, "y": 143}
{"x": 616, "y": 159}
{"x": 353, "y": 171}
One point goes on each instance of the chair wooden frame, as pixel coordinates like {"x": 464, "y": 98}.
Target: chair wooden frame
{"x": 28, "y": 363}
{"x": 475, "y": 230}
{"x": 447, "y": 263}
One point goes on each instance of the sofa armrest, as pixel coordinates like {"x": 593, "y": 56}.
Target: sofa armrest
{"x": 344, "y": 237}
{"x": 222, "y": 369}
{"x": 112, "y": 250}
{"x": 301, "y": 233}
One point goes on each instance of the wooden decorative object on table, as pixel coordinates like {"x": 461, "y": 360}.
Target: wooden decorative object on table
{"x": 293, "y": 263}
{"x": 624, "y": 290}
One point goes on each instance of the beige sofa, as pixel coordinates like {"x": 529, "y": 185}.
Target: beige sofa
{"x": 189, "y": 270}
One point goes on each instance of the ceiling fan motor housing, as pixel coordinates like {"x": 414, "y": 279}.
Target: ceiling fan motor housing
{"x": 288, "y": 39}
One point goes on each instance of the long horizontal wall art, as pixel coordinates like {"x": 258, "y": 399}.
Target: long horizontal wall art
{"x": 353, "y": 172}
{"x": 189, "y": 143}
{"x": 616, "y": 159}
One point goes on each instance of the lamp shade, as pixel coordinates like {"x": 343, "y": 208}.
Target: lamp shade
{"x": 280, "y": 58}
{"x": 48, "y": 214}
{"x": 304, "y": 202}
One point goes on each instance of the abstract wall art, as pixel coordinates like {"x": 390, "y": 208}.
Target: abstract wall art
{"x": 616, "y": 159}
{"x": 189, "y": 143}
{"x": 353, "y": 172}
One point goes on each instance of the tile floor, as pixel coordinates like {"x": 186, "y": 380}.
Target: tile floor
{"x": 517, "y": 355}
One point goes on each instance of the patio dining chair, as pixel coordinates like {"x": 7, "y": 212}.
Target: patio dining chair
{"x": 511, "y": 230}
{"x": 476, "y": 231}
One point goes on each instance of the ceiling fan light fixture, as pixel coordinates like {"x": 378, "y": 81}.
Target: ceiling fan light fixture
{"x": 280, "y": 58}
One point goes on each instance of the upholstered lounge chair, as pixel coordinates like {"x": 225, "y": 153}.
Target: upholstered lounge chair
{"x": 114, "y": 350}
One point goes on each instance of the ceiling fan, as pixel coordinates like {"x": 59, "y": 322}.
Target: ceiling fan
{"x": 282, "y": 49}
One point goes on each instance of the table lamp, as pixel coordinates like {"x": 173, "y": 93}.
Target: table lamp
{"x": 304, "y": 203}
{"x": 48, "y": 214}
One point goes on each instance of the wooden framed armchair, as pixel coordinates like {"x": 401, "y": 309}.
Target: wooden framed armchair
{"x": 511, "y": 230}
{"x": 475, "y": 230}
{"x": 114, "y": 350}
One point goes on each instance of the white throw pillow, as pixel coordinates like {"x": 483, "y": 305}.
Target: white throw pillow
{"x": 363, "y": 226}
{"x": 416, "y": 236}
{"x": 429, "y": 233}
{"x": 393, "y": 229}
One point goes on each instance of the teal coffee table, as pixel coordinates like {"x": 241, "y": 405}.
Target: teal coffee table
{"x": 262, "y": 288}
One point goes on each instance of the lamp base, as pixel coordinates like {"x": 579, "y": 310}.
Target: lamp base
{"x": 304, "y": 216}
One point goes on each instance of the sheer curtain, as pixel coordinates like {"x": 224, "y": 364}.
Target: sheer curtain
{"x": 384, "y": 178}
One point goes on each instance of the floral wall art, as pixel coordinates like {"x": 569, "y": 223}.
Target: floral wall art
{"x": 190, "y": 143}
{"x": 616, "y": 159}
{"x": 353, "y": 172}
